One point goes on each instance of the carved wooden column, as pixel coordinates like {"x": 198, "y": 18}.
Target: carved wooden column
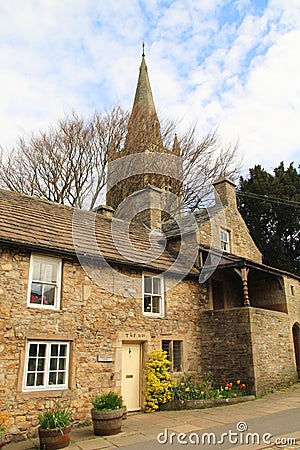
{"x": 244, "y": 274}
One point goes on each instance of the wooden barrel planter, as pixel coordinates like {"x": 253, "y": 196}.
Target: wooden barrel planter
{"x": 106, "y": 423}
{"x": 54, "y": 439}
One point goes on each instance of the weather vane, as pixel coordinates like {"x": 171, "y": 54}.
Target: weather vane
{"x": 143, "y": 47}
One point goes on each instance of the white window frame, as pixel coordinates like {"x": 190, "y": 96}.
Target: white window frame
{"x": 225, "y": 243}
{"x": 46, "y": 369}
{"x": 57, "y": 285}
{"x": 161, "y": 295}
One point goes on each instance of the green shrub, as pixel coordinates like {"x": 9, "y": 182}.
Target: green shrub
{"x": 107, "y": 402}
{"x": 159, "y": 382}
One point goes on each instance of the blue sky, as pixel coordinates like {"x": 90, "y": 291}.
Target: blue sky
{"x": 229, "y": 64}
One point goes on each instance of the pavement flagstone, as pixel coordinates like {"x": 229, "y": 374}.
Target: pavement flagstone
{"x": 140, "y": 430}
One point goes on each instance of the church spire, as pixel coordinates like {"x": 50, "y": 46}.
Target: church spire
{"x": 143, "y": 119}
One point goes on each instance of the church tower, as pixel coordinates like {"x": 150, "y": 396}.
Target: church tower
{"x": 143, "y": 139}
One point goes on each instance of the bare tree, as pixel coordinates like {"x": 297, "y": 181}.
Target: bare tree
{"x": 68, "y": 163}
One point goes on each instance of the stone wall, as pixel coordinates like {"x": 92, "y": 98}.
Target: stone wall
{"x": 226, "y": 345}
{"x": 273, "y": 350}
{"x": 255, "y": 345}
{"x": 241, "y": 243}
{"x": 95, "y": 322}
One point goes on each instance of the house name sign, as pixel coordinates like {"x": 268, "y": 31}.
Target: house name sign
{"x": 104, "y": 358}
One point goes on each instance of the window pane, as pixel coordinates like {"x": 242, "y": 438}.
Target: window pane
{"x": 49, "y": 295}
{"x": 54, "y": 350}
{"x": 177, "y": 356}
{"x": 49, "y": 272}
{"x": 41, "y": 364}
{"x": 40, "y": 379}
{"x": 156, "y": 285}
{"x": 61, "y": 378}
{"x": 147, "y": 303}
{"x": 52, "y": 378}
{"x": 36, "y": 293}
{"x": 62, "y": 350}
{"x": 31, "y": 364}
{"x": 53, "y": 363}
{"x": 37, "y": 271}
{"x": 42, "y": 349}
{"x": 33, "y": 349}
{"x": 148, "y": 285}
{"x": 156, "y": 304}
{"x": 30, "y": 379}
{"x": 166, "y": 348}
{"x": 62, "y": 364}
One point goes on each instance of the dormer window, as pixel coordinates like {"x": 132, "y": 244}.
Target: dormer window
{"x": 225, "y": 241}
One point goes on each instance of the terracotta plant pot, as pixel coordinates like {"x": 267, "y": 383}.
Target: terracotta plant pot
{"x": 106, "y": 423}
{"x": 55, "y": 438}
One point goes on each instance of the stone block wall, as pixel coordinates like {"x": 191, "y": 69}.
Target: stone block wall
{"x": 241, "y": 242}
{"x": 273, "y": 349}
{"x": 226, "y": 345}
{"x": 95, "y": 322}
{"x": 255, "y": 345}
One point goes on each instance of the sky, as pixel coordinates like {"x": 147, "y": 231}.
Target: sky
{"x": 231, "y": 65}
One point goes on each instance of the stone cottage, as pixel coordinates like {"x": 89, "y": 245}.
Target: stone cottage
{"x": 85, "y": 296}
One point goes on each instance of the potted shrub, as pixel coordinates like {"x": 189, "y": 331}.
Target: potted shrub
{"x": 55, "y": 428}
{"x": 107, "y": 414}
{"x": 3, "y": 418}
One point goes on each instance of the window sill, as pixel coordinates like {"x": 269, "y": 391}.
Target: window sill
{"x": 43, "y": 308}
{"x": 45, "y": 393}
{"x": 155, "y": 315}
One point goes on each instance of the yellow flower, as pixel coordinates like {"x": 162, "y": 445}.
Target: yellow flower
{"x": 234, "y": 394}
{"x": 187, "y": 389}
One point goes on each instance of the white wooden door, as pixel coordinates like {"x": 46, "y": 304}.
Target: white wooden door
{"x": 131, "y": 364}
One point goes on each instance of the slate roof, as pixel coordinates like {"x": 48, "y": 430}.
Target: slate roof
{"x": 174, "y": 228}
{"x": 40, "y": 224}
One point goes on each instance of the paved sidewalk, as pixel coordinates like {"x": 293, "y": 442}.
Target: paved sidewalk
{"x": 140, "y": 429}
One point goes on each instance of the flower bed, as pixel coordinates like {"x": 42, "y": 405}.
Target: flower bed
{"x": 200, "y": 404}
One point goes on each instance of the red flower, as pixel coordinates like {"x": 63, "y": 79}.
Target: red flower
{"x": 52, "y": 410}
{"x": 223, "y": 380}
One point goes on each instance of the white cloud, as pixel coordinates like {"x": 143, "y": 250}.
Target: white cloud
{"x": 229, "y": 64}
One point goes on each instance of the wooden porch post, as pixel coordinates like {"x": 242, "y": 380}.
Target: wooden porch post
{"x": 244, "y": 273}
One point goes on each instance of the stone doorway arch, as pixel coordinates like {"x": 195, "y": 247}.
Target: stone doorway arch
{"x": 296, "y": 338}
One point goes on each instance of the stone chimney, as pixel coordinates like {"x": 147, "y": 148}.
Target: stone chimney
{"x": 225, "y": 190}
{"x": 104, "y": 210}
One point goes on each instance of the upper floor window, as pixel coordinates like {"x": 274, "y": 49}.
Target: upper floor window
{"x": 46, "y": 365}
{"x": 225, "y": 242}
{"x": 44, "y": 282}
{"x": 153, "y": 299}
